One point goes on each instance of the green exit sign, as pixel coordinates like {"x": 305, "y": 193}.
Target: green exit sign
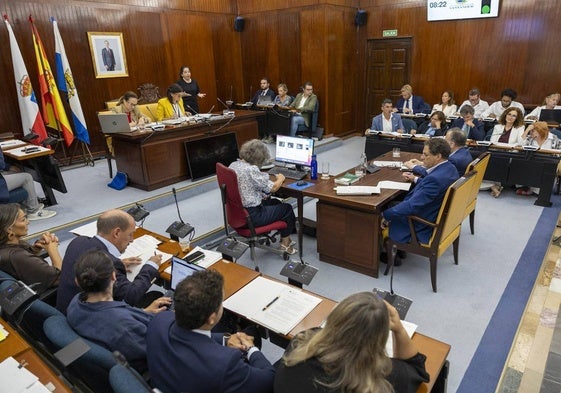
{"x": 389, "y": 33}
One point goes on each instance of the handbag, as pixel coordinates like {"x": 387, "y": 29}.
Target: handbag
{"x": 119, "y": 181}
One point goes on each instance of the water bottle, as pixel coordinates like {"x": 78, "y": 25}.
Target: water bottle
{"x": 314, "y": 168}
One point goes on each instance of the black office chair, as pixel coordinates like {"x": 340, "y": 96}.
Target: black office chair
{"x": 312, "y": 130}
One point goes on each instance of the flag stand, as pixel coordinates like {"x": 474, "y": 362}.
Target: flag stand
{"x": 86, "y": 154}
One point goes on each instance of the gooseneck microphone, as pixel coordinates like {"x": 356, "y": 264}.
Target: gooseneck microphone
{"x": 178, "y": 229}
{"x": 223, "y": 103}
{"x": 191, "y": 109}
{"x": 151, "y": 113}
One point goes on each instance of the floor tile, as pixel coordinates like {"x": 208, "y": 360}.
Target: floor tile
{"x": 521, "y": 351}
{"x": 531, "y": 381}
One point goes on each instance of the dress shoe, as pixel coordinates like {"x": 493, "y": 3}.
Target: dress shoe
{"x": 384, "y": 259}
{"x": 402, "y": 254}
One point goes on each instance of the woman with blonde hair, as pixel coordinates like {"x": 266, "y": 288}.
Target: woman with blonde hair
{"x": 348, "y": 354}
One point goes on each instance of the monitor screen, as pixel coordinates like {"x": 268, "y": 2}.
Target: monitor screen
{"x": 204, "y": 153}
{"x": 293, "y": 150}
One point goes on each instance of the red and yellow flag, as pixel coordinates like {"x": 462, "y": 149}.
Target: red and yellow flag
{"x": 53, "y": 109}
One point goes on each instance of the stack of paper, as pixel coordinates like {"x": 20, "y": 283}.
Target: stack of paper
{"x": 409, "y": 328}
{"x": 16, "y": 379}
{"x": 394, "y": 185}
{"x": 389, "y": 164}
{"x": 143, "y": 247}
{"x": 357, "y": 190}
{"x": 277, "y": 306}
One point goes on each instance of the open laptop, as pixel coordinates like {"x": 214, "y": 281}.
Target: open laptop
{"x": 551, "y": 116}
{"x": 180, "y": 270}
{"x": 112, "y": 123}
{"x": 265, "y": 101}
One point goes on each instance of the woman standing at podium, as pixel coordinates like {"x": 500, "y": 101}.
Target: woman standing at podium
{"x": 348, "y": 354}
{"x": 191, "y": 89}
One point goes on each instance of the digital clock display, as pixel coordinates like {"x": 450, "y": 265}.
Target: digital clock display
{"x": 461, "y": 9}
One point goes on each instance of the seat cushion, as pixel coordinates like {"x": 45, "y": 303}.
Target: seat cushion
{"x": 274, "y": 226}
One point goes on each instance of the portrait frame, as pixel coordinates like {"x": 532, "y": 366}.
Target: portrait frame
{"x": 108, "y": 54}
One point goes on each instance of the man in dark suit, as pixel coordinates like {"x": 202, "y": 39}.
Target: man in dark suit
{"x": 183, "y": 354}
{"x": 264, "y": 90}
{"x": 115, "y": 229}
{"x": 469, "y": 125}
{"x": 410, "y": 104}
{"x": 108, "y": 57}
{"x": 425, "y": 198}
{"x": 459, "y": 156}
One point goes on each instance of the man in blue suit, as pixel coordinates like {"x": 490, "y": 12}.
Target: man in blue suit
{"x": 459, "y": 156}
{"x": 470, "y": 126}
{"x": 410, "y": 104}
{"x": 183, "y": 354}
{"x": 387, "y": 120}
{"x": 425, "y": 198}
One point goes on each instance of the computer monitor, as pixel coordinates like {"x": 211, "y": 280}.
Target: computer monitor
{"x": 294, "y": 150}
{"x": 203, "y": 154}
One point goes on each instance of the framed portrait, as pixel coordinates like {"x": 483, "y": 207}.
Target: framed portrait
{"x": 108, "y": 54}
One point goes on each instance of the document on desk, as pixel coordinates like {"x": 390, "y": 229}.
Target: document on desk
{"x": 11, "y": 143}
{"x": 275, "y": 305}
{"x": 409, "y": 328}
{"x": 357, "y": 190}
{"x": 394, "y": 185}
{"x": 29, "y": 149}
{"x": 143, "y": 247}
{"x": 388, "y": 164}
{"x": 18, "y": 379}
{"x": 211, "y": 257}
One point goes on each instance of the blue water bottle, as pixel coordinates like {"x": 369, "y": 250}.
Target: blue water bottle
{"x": 314, "y": 168}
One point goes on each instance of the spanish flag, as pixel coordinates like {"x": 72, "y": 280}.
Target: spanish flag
{"x": 53, "y": 109}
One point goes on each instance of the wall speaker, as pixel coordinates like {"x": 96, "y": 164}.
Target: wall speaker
{"x": 360, "y": 18}
{"x": 239, "y": 23}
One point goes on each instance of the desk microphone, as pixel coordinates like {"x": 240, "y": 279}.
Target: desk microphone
{"x": 120, "y": 359}
{"x": 178, "y": 229}
{"x": 191, "y": 109}
{"x": 152, "y": 114}
{"x": 223, "y": 103}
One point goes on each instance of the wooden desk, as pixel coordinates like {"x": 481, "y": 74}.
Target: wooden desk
{"x": 348, "y": 227}
{"x": 508, "y": 165}
{"x": 157, "y": 159}
{"x": 237, "y": 276}
{"x": 44, "y": 169}
{"x": 14, "y": 345}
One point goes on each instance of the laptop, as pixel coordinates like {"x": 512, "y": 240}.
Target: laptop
{"x": 112, "y": 123}
{"x": 265, "y": 101}
{"x": 551, "y": 115}
{"x": 180, "y": 270}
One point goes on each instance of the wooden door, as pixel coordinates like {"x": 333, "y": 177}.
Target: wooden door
{"x": 388, "y": 66}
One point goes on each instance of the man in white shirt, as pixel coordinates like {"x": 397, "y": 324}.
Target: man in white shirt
{"x": 479, "y": 105}
{"x": 507, "y": 100}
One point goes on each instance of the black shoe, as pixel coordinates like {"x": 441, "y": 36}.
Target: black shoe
{"x": 384, "y": 259}
{"x": 402, "y": 254}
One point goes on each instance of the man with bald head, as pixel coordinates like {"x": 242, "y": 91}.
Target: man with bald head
{"x": 115, "y": 229}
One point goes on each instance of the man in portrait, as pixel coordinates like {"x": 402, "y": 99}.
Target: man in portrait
{"x": 108, "y": 57}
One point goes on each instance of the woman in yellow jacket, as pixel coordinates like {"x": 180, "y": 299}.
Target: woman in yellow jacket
{"x": 171, "y": 107}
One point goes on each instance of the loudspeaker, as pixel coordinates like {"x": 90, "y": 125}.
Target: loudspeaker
{"x": 239, "y": 23}
{"x": 360, "y": 18}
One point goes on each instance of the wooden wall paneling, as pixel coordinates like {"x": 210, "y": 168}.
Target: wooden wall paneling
{"x": 228, "y": 59}
{"x": 189, "y": 42}
{"x": 342, "y": 75}
{"x": 314, "y": 49}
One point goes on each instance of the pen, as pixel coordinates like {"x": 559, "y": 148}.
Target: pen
{"x": 270, "y": 303}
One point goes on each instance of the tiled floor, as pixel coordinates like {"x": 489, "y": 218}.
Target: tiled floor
{"x": 534, "y": 363}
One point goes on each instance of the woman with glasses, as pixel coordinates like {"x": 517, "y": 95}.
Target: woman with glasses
{"x": 510, "y": 127}
{"x": 128, "y": 104}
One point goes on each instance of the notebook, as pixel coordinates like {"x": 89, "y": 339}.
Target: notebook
{"x": 112, "y": 123}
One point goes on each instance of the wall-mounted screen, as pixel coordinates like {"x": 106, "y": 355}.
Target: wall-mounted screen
{"x": 461, "y": 9}
{"x": 204, "y": 153}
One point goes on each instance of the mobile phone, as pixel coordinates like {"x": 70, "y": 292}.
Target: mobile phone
{"x": 194, "y": 257}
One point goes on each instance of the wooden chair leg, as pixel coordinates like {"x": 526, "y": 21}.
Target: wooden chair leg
{"x": 472, "y": 222}
{"x": 433, "y": 259}
{"x": 455, "y": 247}
{"x": 110, "y": 166}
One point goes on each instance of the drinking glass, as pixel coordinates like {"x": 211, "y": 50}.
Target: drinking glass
{"x": 396, "y": 152}
{"x": 325, "y": 170}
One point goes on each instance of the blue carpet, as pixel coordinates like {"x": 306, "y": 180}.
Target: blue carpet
{"x": 486, "y": 366}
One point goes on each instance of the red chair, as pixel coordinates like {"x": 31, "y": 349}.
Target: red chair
{"x": 237, "y": 217}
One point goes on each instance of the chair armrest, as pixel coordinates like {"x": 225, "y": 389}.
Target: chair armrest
{"x": 410, "y": 219}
